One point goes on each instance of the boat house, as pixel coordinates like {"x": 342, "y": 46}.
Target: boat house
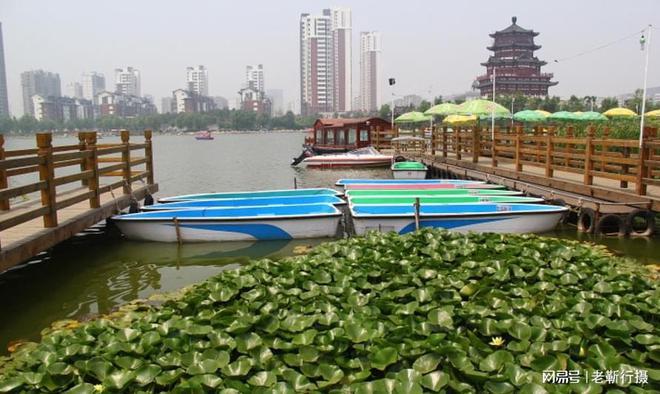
{"x": 339, "y": 135}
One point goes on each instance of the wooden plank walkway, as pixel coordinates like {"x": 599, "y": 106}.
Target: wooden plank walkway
{"x": 109, "y": 175}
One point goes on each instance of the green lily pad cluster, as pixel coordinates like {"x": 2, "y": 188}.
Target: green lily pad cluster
{"x": 430, "y": 311}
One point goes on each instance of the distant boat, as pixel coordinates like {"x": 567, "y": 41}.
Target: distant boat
{"x": 363, "y": 157}
{"x": 203, "y": 135}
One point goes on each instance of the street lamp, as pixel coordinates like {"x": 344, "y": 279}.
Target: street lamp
{"x": 392, "y": 81}
{"x": 642, "y": 42}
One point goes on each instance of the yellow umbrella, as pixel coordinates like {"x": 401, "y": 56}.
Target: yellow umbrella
{"x": 460, "y": 120}
{"x": 653, "y": 114}
{"x": 619, "y": 113}
{"x": 542, "y": 112}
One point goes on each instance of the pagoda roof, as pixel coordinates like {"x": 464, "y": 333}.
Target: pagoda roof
{"x": 513, "y": 45}
{"x": 520, "y": 60}
{"x": 514, "y": 28}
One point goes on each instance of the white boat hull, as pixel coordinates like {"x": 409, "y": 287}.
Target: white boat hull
{"x": 325, "y": 161}
{"x": 409, "y": 174}
{"x": 198, "y": 230}
{"x": 487, "y": 223}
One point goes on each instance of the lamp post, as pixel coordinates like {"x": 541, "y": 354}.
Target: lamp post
{"x": 644, "y": 41}
{"x": 492, "y": 115}
{"x": 392, "y": 81}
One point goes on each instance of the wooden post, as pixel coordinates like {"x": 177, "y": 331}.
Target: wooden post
{"x": 4, "y": 203}
{"x": 476, "y": 144}
{"x": 149, "y": 154}
{"x": 433, "y": 137}
{"x": 92, "y": 163}
{"x": 624, "y": 167}
{"x": 444, "y": 141}
{"x": 588, "y": 154}
{"x": 126, "y": 161}
{"x": 549, "y": 151}
{"x": 604, "y": 148}
{"x": 47, "y": 174}
{"x": 81, "y": 148}
{"x": 518, "y": 162}
{"x": 537, "y": 133}
{"x": 458, "y": 146}
{"x": 643, "y": 169}
{"x": 568, "y": 150}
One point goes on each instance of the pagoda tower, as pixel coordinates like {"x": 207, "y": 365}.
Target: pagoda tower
{"x": 516, "y": 68}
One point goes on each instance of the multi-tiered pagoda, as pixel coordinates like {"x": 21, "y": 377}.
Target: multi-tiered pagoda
{"x": 516, "y": 68}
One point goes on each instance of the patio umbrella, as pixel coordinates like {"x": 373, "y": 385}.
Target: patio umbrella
{"x": 460, "y": 120}
{"x": 542, "y": 112}
{"x": 412, "y": 117}
{"x": 562, "y": 115}
{"x": 591, "y": 116}
{"x": 443, "y": 109}
{"x": 653, "y": 114}
{"x": 619, "y": 113}
{"x": 529, "y": 116}
{"x": 483, "y": 109}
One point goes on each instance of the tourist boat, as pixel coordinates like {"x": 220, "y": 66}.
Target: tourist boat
{"x": 408, "y": 170}
{"x": 428, "y": 186}
{"x": 248, "y": 202}
{"x": 496, "y": 218}
{"x": 432, "y": 193}
{"x": 363, "y": 157}
{"x": 415, "y": 182}
{"x": 273, "y": 222}
{"x": 253, "y": 194}
{"x": 203, "y": 135}
{"x": 450, "y": 199}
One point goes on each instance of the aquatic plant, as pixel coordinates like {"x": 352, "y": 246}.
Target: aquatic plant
{"x": 428, "y": 311}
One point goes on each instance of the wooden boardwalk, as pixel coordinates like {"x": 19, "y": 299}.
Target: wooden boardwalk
{"x": 30, "y": 227}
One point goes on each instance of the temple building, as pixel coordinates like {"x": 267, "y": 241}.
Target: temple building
{"x": 516, "y": 68}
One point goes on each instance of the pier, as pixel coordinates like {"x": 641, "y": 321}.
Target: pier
{"x": 597, "y": 172}
{"x": 67, "y": 189}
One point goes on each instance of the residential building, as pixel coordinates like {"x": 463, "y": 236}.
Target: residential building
{"x": 39, "y": 82}
{"x": 127, "y": 81}
{"x": 189, "y": 101}
{"x": 325, "y": 61}
{"x": 370, "y": 48}
{"x": 276, "y": 97}
{"x": 4, "y": 99}
{"x": 123, "y": 105}
{"x": 61, "y": 109}
{"x": 254, "y": 100}
{"x": 254, "y": 77}
{"x": 220, "y": 102}
{"x": 75, "y": 90}
{"x": 512, "y": 67}
{"x": 92, "y": 84}
{"x": 166, "y": 105}
{"x": 197, "y": 80}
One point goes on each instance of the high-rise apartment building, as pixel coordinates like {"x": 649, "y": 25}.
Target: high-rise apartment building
{"x": 92, "y": 84}
{"x": 197, "y": 79}
{"x": 370, "y": 47}
{"x": 254, "y": 77}
{"x": 39, "y": 82}
{"x": 75, "y": 90}
{"x": 127, "y": 81}
{"x": 325, "y": 61}
{"x": 4, "y": 100}
{"x": 276, "y": 97}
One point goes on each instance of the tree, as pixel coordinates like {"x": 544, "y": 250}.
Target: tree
{"x": 27, "y": 124}
{"x": 573, "y": 104}
{"x": 550, "y": 104}
{"x": 7, "y": 124}
{"x": 437, "y": 100}
{"x": 385, "y": 111}
{"x": 423, "y": 106}
{"x": 590, "y": 102}
{"x": 608, "y": 103}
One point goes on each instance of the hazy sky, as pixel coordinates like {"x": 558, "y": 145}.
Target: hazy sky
{"x": 431, "y": 47}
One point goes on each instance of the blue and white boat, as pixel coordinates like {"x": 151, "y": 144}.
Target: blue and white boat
{"x": 254, "y": 194}
{"x": 272, "y": 222}
{"x": 247, "y": 202}
{"x": 412, "y": 182}
{"x": 481, "y": 217}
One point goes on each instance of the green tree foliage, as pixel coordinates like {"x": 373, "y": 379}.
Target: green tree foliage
{"x": 423, "y": 106}
{"x": 608, "y": 103}
{"x": 437, "y": 100}
{"x": 573, "y": 104}
{"x": 385, "y": 111}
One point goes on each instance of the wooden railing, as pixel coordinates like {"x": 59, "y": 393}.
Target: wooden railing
{"x": 382, "y": 138}
{"x": 88, "y": 156}
{"x": 591, "y": 156}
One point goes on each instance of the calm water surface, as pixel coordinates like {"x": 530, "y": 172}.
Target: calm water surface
{"x": 95, "y": 272}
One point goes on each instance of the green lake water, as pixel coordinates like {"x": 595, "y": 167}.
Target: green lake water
{"x": 95, "y": 272}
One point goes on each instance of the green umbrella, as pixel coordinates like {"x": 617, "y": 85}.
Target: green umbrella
{"x": 483, "y": 109}
{"x": 528, "y": 115}
{"x": 591, "y": 116}
{"x": 562, "y": 115}
{"x": 412, "y": 117}
{"x": 443, "y": 109}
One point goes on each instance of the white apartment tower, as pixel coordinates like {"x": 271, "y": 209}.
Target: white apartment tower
{"x": 198, "y": 80}
{"x": 254, "y": 77}
{"x": 92, "y": 84}
{"x": 342, "y": 58}
{"x": 127, "y": 81}
{"x": 325, "y": 61}
{"x": 370, "y": 47}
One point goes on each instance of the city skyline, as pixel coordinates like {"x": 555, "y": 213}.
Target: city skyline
{"x": 428, "y": 54}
